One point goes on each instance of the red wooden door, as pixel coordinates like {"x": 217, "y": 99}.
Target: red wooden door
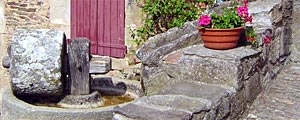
{"x": 103, "y": 22}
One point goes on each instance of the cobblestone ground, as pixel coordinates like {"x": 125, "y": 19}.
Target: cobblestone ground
{"x": 281, "y": 99}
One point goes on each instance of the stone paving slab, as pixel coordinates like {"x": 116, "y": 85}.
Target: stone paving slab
{"x": 179, "y": 102}
{"x": 100, "y": 64}
{"x": 281, "y": 99}
{"x": 141, "y": 112}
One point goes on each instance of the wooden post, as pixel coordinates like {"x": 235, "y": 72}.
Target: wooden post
{"x": 79, "y": 66}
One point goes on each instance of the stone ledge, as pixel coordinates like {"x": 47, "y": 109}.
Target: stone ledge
{"x": 141, "y": 112}
{"x": 15, "y": 109}
{"x": 100, "y": 64}
{"x": 197, "y": 100}
{"x": 196, "y": 63}
{"x": 160, "y": 45}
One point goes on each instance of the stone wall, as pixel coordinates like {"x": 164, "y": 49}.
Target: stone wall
{"x": 275, "y": 15}
{"x": 3, "y": 71}
{"x": 30, "y": 14}
{"x": 133, "y": 19}
{"x": 36, "y": 14}
{"x": 295, "y": 56}
{"x": 277, "y": 53}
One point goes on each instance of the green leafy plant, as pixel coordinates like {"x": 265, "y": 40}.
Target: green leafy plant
{"x": 161, "y": 15}
{"x": 232, "y": 17}
{"x": 228, "y": 19}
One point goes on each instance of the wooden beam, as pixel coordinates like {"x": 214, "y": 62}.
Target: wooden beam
{"x": 79, "y": 66}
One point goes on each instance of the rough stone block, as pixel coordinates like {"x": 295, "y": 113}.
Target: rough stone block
{"x": 15, "y": 109}
{"x": 206, "y": 91}
{"x": 119, "y": 64}
{"x": 138, "y": 112}
{"x": 286, "y": 41}
{"x": 204, "y": 101}
{"x": 197, "y": 63}
{"x": 216, "y": 98}
{"x": 100, "y": 64}
{"x": 176, "y": 103}
{"x": 6, "y": 62}
{"x": 295, "y": 47}
{"x": 253, "y": 87}
{"x": 160, "y": 45}
{"x": 179, "y": 102}
{"x": 36, "y": 61}
{"x": 260, "y": 9}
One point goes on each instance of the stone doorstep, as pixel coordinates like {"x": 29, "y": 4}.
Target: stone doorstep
{"x": 202, "y": 101}
{"x": 138, "y": 112}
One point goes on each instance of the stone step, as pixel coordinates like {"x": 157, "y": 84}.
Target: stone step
{"x": 138, "y": 112}
{"x": 273, "y": 108}
{"x": 190, "y": 100}
{"x": 100, "y": 64}
{"x": 232, "y": 67}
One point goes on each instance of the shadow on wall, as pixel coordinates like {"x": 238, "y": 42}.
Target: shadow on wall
{"x": 106, "y": 87}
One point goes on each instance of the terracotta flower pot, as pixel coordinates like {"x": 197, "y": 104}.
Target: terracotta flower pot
{"x": 220, "y": 39}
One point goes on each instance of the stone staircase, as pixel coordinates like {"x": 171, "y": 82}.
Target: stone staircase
{"x": 183, "y": 80}
{"x": 198, "y": 83}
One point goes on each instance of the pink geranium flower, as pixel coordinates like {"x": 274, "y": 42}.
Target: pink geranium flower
{"x": 267, "y": 39}
{"x": 248, "y": 19}
{"x": 242, "y": 11}
{"x": 204, "y": 20}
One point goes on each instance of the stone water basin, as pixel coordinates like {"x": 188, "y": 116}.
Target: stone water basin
{"x": 16, "y": 109}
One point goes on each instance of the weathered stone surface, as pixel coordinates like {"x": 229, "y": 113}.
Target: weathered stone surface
{"x": 197, "y": 63}
{"x": 286, "y": 41}
{"x": 6, "y": 62}
{"x": 100, "y": 64}
{"x": 15, "y": 109}
{"x": 179, "y": 102}
{"x": 295, "y": 48}
{"x": 193, "y": 106}
{"x": 260, "y": 9}
{"x": 160, "y": 45}
{"x": 138, "y": 112}
{"x": 280, "y": 100}
{"x": 210, "y": 92}
{"x": 36, "y": 62}
{"x": 215, "y": 97}
{"x": 92, "y": 100}
{"x": 204, "y": 101}
{"x": 293, "y": 69}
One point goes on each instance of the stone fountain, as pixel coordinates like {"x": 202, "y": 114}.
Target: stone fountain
{"x": 44, "y": 69}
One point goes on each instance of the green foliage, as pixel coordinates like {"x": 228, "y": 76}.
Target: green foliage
{"x": 207, "y": 2}
{"x": 251, "y": 36}
{"x": 228, "y": 19}
{"x": 161, "y": 15}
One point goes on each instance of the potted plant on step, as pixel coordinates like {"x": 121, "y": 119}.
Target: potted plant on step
{"x": 223, "y": 30}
